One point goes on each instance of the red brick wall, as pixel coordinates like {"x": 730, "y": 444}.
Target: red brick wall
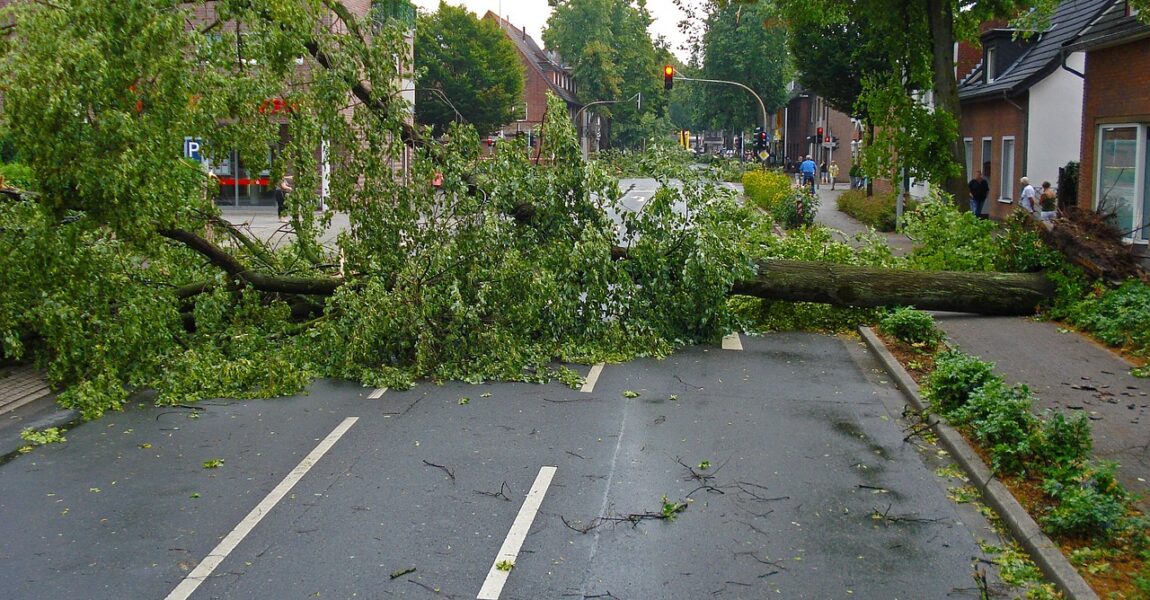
{"x": 996, "y": 119}
{"x": 1117, "y": 91}
{"x": 970, "y": 53}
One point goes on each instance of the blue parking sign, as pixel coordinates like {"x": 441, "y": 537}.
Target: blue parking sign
{"x": 192, "y": 148}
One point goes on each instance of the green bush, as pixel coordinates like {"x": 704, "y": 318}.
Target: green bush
{"x": 1063, "y": 444}
{"x": 955, "y": 376}
{"x": 948, "y": 239}
{"x": 766, "y": 189}
{"x": 1000, "y": 419}
{"x": 911, "y": 326}
{"x": 1020, "y": 248}
{"x": 796, "y": 210}
{"x": 18, "y": 176}
{"x": 1119, "y": 316}
{"x": 876, "y": 211}
{"x": 1093, "y": 504}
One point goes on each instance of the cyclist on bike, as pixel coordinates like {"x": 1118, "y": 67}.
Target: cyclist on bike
{"x": 808, "y": 169}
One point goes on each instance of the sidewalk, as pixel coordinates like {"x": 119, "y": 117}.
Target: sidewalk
{"x": 1068, "y": 372}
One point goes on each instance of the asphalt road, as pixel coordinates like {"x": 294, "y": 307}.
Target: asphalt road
{"x": 809, "y": 491}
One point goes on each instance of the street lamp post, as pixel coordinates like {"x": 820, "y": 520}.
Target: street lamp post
{"x": 762, "y": 107}
{"x": 584, "y": 142}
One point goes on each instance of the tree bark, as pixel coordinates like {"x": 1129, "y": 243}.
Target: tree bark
{"x": 941, "y": 16}
{"x": 865, "y": 287}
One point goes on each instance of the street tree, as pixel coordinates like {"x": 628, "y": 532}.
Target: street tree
{"x": 743, "y": 44}
{"x": 119, "y": 274}
{"x": 471, "y": 62}
{"x": 614, "y": 58}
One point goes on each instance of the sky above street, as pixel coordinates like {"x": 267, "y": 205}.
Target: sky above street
{"x": 532, "y": 14}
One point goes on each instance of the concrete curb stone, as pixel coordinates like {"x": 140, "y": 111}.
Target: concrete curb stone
{"x": 1043, "y": 551}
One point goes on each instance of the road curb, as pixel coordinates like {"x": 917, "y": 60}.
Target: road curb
{"x": 1046, "y": 555}
{"x": 39, "y": 414}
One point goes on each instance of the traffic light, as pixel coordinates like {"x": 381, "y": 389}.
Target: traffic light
{"x": 668, "y": 77}
{"x": 819, "y": 131}
{"x": 761, "y": 138}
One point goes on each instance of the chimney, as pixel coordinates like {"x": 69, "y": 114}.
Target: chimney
{"x": 524, "y": 32}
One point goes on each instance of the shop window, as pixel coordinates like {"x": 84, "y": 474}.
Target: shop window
{"x": 1122, "y": 189}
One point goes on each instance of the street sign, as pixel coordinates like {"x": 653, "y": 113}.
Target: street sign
{"x": 192, "y": 148}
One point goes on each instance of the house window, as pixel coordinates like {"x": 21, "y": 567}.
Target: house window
{"x": 986, "y": 157}
{"x": 988, "y": 64}
{"x": 968, "y": 147}
{"x": 1123, "y": 191}
{"x": 1006, "y": 177}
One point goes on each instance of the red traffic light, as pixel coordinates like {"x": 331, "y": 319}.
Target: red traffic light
{"x": 820, "y": 131}
{"x": 668, "y": 76}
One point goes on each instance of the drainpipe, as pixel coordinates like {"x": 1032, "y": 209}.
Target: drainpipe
{"x": 1065, "y": 67}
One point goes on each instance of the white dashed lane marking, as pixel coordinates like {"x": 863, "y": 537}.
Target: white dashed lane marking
{"x": 592, "y": 378}
{"x": 732, "y": 342}
{"x": 505, "y": 560}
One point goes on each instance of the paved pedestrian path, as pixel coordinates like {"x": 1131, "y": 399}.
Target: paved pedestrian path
{"x": 1068, "y": 372}
{"x": 19, "y": 386}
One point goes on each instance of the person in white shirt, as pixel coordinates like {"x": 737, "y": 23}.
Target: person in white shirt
{"x": 1029, "y": 199}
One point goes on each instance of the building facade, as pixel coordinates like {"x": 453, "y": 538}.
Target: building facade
{"x": 1022, "y": 103}
{"x": 544, "y": 72}
{"x": 1115, "y": 127}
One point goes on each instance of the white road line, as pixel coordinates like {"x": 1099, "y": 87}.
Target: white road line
{"x": 732, "y": 342}
{"x": 592, "y": 379}
{"x": 376, "y": 394}
{"x": 233, "y": 539}
{"x": 493, "y": 586}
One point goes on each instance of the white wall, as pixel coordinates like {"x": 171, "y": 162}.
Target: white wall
{"x": 1054, "y": 134}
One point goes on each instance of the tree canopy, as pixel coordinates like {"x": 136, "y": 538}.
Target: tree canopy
{"x": 119, "y": 273}
{"x": 614, "y": 58}
{"x": 471, "y": 62}
{"x": 743, "y": 44}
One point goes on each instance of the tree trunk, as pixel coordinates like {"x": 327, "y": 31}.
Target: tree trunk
{"x": 941, "y": 16}
{"x": 866, "y": 287}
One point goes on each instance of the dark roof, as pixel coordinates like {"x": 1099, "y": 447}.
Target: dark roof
{"x": 1042, "y": 57}
{"x": 535, "y": 56}
{"x": 1112, "y": 27}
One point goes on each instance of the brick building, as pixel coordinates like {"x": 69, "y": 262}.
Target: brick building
{"x": 1115, "y": 167}
{"x": 1022, "y": 103}
{"x": 544, "y": 71}
{"x": 806, "y": 113}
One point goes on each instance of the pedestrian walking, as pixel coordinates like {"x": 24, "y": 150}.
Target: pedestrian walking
{"x": 1048, "y": 202}
{"x": 1029, "y": 198}
{"x": 282, "y": 190}
{"x": 823, "y": 172}
{"x": 979, "y": 190}
{"x": 834, "y": 171}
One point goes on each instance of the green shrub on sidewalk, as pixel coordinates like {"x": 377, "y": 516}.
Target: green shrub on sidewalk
{"x": 911, "y": 326}
{"x": 955, "y": 376}
{"x": 876, "y": 211}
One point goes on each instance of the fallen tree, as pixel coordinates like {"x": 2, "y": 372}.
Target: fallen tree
{"x": 867, "y": 287}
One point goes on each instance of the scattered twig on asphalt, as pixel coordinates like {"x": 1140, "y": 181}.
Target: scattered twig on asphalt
{"x": 743, "y": 485}
{"x": 445, "y": 469}
{"x": 700, "y": 477}
{"x": 575, "y": 455}
{"x": 499, "y": 494}
{"x": 884, "y": 515}
{"x": 402, "y": 572}
{"x": 918, "y": 429}
{"x": 980, "y": 581}
{"x": 566, "y": 401}
{"x": 760, "y": 560}
{"x": 687, "y": 384}
{"x": 872, "y": 487}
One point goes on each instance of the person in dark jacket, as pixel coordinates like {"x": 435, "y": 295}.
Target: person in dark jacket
{"x": 979, "y": 190}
